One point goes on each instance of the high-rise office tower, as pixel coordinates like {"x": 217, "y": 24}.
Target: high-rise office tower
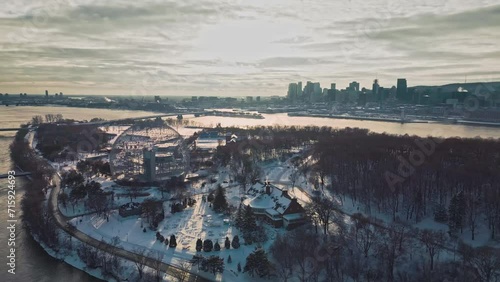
{"x": 402, "y": 90}
{"x": 308, "y": 91}
{"x": 292, "y": 91}
{"x": 375, "y": 90}
{"x": 331, "y": 92}
{"x": 354, "y": 86}
{"x": 317, "y": 92}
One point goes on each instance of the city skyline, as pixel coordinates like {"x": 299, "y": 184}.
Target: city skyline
{"x": 241, "y": 49}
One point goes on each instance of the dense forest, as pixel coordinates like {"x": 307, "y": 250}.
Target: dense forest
{"x": 456, "y": 180}
{"x": 452, "y": 181}
{"x": 64, "y": 141}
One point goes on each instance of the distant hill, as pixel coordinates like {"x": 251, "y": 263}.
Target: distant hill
{"x": 473, "y": 87}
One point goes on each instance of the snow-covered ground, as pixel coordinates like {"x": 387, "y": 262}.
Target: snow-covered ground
{"x": 70, "y": 256}
{"x": 199, "y": 221}
{"x": 120, "y": 196}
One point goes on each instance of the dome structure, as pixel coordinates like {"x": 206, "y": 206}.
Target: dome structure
{"x": 149, "y": 151}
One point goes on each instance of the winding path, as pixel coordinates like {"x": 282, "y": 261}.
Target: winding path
{"x": 62, "y": 222}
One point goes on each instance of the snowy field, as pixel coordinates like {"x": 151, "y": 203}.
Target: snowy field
{"x": 120, "y": 197}
{"x": 199, "y": 221}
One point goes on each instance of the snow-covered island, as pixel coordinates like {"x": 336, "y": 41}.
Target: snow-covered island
{"x": 174, "y": 203}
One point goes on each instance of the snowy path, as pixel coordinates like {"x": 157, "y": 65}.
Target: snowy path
{"x": 61, "y": 221}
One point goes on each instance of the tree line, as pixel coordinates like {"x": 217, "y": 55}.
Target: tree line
{"x": 37, "y": 219}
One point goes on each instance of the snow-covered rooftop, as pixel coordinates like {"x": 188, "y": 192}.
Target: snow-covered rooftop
{"x": 267, "y": 196}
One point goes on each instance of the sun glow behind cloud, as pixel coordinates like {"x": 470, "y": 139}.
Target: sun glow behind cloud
{"x": 246, "y": 40}
{"x": 224, "y": 47}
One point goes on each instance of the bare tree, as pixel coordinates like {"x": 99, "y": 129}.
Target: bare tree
{"x": 433, "y": 242}
{"x": 324, "y": 210}
{"x": 304, "y": 244}
{"x": 157, "y": 261}
{"x": 140, "y": 261}
{"x": 35, "y": 120}
{"x": 134, "y": 191}
{"x": 282, "y": 252}
{"x": 486, "y": 260}
{"x": 49, "y": 118}
{"x": 392, "y": 246}
{"x": 58, "y": 118}
{"x": 99, "y": 203}
{"x": 182, "y": 271}
{"x": 365, "y": 235}
{"x": 473, "y": 212}
{"x": 294, "y": 176}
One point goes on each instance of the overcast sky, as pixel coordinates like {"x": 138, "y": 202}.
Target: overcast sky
{"x": 232, "y": 47}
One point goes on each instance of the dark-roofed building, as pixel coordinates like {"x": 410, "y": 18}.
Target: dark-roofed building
{"x": 275, "y": 205}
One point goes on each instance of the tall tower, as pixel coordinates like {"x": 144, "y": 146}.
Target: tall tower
{"x": 332, "y": 92}
{"x": 402, "y": 90}
{"x": 375, "y": 90}
{"x": 308, "y": 91}
{"x": 149, "y": 164}
{"x": 354, "y": 86}
{"x": 292, "y": 91}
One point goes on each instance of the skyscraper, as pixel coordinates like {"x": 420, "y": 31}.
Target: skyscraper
{"x": 292, "y": 91}
{"x": 317, "y": 88}
{"x": 308, "y": 90}
{"x": 402, "y": 90}
{"x": 375, "y": 90}
{"x": 354, "y": 86}
{"x": 332, "y": 92}
{"x": 317, "y": 92}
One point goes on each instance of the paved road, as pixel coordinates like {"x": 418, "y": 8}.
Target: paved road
{"x": 61, "y": 221}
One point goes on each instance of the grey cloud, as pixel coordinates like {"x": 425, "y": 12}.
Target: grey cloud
{"x": 291, "y": 61}
{"x": 116, "y": 45}
{"x": 428, "y": 27}
{"x": 294, "y": 40}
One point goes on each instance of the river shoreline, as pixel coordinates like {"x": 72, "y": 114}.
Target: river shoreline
{"x": 72, "y": 261}
{"x": 395, "y": 120}
{"x": 69, "y": 255}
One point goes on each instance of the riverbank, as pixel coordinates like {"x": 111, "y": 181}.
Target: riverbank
{"x": 72, "y": 260}
{"x": 396, "y": 120}
{"x": 357, "y": 118}
{"x": 478, "y": 123}
{"x": 61, "y": 246}
{"x": 38, "y": 200}
{"x": 230, "y": 114}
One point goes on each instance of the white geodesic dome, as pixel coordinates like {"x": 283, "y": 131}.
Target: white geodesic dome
{"x": 146, "y": 138}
